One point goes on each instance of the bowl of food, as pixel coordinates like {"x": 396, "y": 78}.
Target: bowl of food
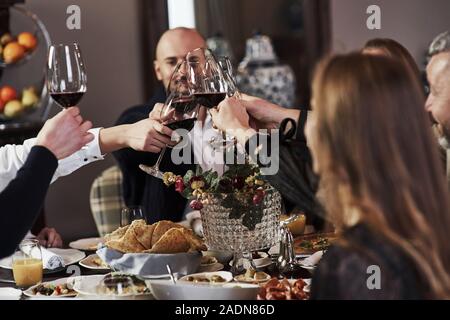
{"x": 147, "y": 250}
{"x": 115, "y": 285}
{"x": 183, "y": 290}
{"x": 23, "y": 58}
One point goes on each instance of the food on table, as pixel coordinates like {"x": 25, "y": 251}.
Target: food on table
{"x": 208, "y": 260}
{"x": 313, "y": 243}
{"x": 161, "y": 237}
{"x": 12, "y": 50}
{"x": 112, "y": 279}
{"x": 203, "y": 279}
{"x": 96, "y": 261}
{"x": 53, "y": 290}
{"x": 252, "y": 275}
{"x": 283, "y": 290}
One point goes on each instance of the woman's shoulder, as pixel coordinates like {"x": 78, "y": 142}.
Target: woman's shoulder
{"x": 363, "y": 266}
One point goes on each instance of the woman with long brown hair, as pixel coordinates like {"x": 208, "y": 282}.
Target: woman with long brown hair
{"x": 392, "y": 49}
{"x": 381, "y": 183}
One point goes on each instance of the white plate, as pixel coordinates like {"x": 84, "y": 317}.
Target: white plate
{"x": 224, "y": 274}
{"x": 10, "y": 294}
{"x": 166, "y": 290}
{"x": 29, "y": 291}
{"x": 89, "y": 264}
{"x": 86, "y": 286}
{"x": 70, "y": 256}
{"x": 211, "y": 268}
{"x": 88, "y": 244}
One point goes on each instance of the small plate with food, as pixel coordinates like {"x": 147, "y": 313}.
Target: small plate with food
{"x": 219, "y": 277}
{"x": 103, "y": 286}
{"x": 210, "y": 264}
{"x": 87, "y": 244}
{"x": 309, "y": 244}
{"x": 94, "y": 262}
{"x": 252, "y": 276}
{"x": 61, "y": 288}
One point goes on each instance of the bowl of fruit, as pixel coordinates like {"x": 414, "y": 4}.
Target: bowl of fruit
{"x": 14, "y": 49}
{"x": 24, "y": 42}
{"x": 14, "y": 103}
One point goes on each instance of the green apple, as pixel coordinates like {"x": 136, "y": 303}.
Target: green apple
{"x": 13, "y": 108}
{"x": 29, "y": 97}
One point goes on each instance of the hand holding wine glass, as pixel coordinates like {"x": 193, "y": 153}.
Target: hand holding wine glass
{"x": 180, "y": 111}
{"x": 66, "y": 74}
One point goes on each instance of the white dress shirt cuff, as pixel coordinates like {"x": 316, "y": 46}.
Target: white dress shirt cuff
{"x": 89, "y": 153}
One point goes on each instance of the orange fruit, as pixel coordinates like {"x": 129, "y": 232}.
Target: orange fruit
{"x": 8, "y": 93}
{"x": 27, "y": 40}
{"x": 13, "y": 52}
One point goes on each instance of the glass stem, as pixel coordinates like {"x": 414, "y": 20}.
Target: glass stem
{"x": 161, "y": 155}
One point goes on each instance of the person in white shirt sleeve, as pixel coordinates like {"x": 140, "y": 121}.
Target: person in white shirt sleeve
{"x": 145, "y": 135}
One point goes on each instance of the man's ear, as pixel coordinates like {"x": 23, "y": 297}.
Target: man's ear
{"x": 157, "y": 67}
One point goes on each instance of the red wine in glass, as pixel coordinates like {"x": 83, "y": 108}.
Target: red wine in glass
{"x": 187, "y": 124}
{"x": 210, "y": 100}
{"x": 67, "y": 99}
{"x": 66, "y": 74}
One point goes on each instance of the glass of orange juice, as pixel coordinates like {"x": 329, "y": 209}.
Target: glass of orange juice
{"x": 27, "y": 264}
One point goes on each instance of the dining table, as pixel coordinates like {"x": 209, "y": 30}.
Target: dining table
{"x": 7, "y": 279}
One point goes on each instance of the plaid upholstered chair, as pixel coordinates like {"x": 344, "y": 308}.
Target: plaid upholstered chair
{"x": 106, "y": 200}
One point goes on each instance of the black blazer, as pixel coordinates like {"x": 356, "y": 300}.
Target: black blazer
{"x": 22, "y": 200}
{"x": 159, "y": 202}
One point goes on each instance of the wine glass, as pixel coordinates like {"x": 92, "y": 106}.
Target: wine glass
{"x": 180, "y": 112}
{"x": 66, "y": 74}
{"x": 27, "y": 264}
{"x": 211, "y": 81}
{"x": 129, "y": 214}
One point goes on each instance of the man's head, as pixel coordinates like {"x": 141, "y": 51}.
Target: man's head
{"x": 438, "y": 102}
{"x": 172, "y": 47}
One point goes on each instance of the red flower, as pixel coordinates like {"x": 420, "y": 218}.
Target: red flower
{"x": 196, "y": 205}
{"x": 179, "y": 185}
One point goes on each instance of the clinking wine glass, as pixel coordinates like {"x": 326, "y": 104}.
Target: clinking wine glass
{"x": 210, "y": 83}
{"x": 66, "y": 74}
{"x": 180, "y": 112}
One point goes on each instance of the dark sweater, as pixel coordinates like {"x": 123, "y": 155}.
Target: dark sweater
{"x": 22, "y": 200}
{"x": 343, "y": 272}
{"x": 159, "y": 202}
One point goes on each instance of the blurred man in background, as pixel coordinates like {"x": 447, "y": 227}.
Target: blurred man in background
{"x": 438, "y": 101}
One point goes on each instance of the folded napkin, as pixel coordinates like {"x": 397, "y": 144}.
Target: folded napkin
{"x": 195, "y": 222}
{"x": 150, "y": 264}
{"x": 313, "y": 259}
{"x": 51, "y": 260}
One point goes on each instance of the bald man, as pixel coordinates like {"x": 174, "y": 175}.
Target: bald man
{"x": 438, "y": 101}
{"x": 139, "y": 188}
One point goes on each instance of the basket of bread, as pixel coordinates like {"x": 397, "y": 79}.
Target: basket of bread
{"x": 146, "y": 249}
